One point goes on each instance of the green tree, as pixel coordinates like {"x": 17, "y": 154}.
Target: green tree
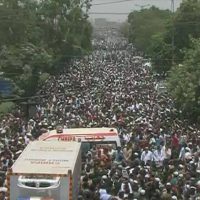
{"x": 183, "y": 25}
{"x": 186, "y": 24}
{"x": 184, "y": 82}
{"x": 66, "y": 30}
{"x": 160, "y": 53}
{"x": 16, "y": 21}
{"x": 41, "y": 37}
{"x": 144, "y": 24}
{"x": 6, "y": 107}
{"x": 153, "y": 31}
{"x": 24, "y": 65}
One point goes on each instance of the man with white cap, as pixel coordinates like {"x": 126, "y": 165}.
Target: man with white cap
{"x": 174, "y": 197}
{"x": 142, "y": 194}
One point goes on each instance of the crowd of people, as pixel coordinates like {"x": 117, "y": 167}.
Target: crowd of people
{"x": 160, "y": 154}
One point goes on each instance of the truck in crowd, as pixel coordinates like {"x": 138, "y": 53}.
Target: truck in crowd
{"x": 46, "y": 171}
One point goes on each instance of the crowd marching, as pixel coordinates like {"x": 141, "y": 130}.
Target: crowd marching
{"x": 160, "y": 154}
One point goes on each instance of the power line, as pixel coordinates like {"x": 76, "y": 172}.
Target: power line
{"x": 107, "y": 13}
{"x": 111, "y": 2}
{"x": 105, "y": 3}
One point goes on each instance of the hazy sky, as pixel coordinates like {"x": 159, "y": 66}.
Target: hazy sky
{"x": 126, "y": 7}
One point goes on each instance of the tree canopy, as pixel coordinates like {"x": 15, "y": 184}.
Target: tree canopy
{"x": 184, "y": 82}
{"x": 183, "y": 25}
{"x": 145, "y": 24}
{"x": 164, "y": 35}
{"x": 40, "y": 37}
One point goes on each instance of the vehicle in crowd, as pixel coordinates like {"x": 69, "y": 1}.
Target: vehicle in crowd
{"x": 87, "y": 136}
{"x": 46, "y": 171}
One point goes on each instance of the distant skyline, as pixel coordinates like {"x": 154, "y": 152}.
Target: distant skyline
{"x": 126, "y": 6}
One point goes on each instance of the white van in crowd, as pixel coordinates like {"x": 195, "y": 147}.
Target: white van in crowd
{"x": 87, "y": 136}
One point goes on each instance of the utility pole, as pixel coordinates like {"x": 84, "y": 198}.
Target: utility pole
{"x": 173, "y": 31}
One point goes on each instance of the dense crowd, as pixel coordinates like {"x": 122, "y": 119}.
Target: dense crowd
{"x": 160, "y": 154}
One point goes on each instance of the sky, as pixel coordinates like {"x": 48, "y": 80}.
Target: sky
{"x": 126, "y": 6}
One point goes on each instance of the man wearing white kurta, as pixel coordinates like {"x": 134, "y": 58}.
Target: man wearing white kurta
{"x": 158, "y": 156}
{"x": 146, "y": 155}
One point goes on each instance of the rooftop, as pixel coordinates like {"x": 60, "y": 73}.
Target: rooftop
{"x": 55, "y": 157}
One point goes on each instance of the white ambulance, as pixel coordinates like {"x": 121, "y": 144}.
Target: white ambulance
{"x": 87, "y": 136}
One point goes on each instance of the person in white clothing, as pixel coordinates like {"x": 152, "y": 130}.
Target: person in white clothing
{"x": 104, "y": 195}
{"x": 158, "y": 156}
{"x": 167, "y": 152}
{"x": 146, "y": 155}
{"x": 126, "y": 137}
{"x": 183, "y": 151}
